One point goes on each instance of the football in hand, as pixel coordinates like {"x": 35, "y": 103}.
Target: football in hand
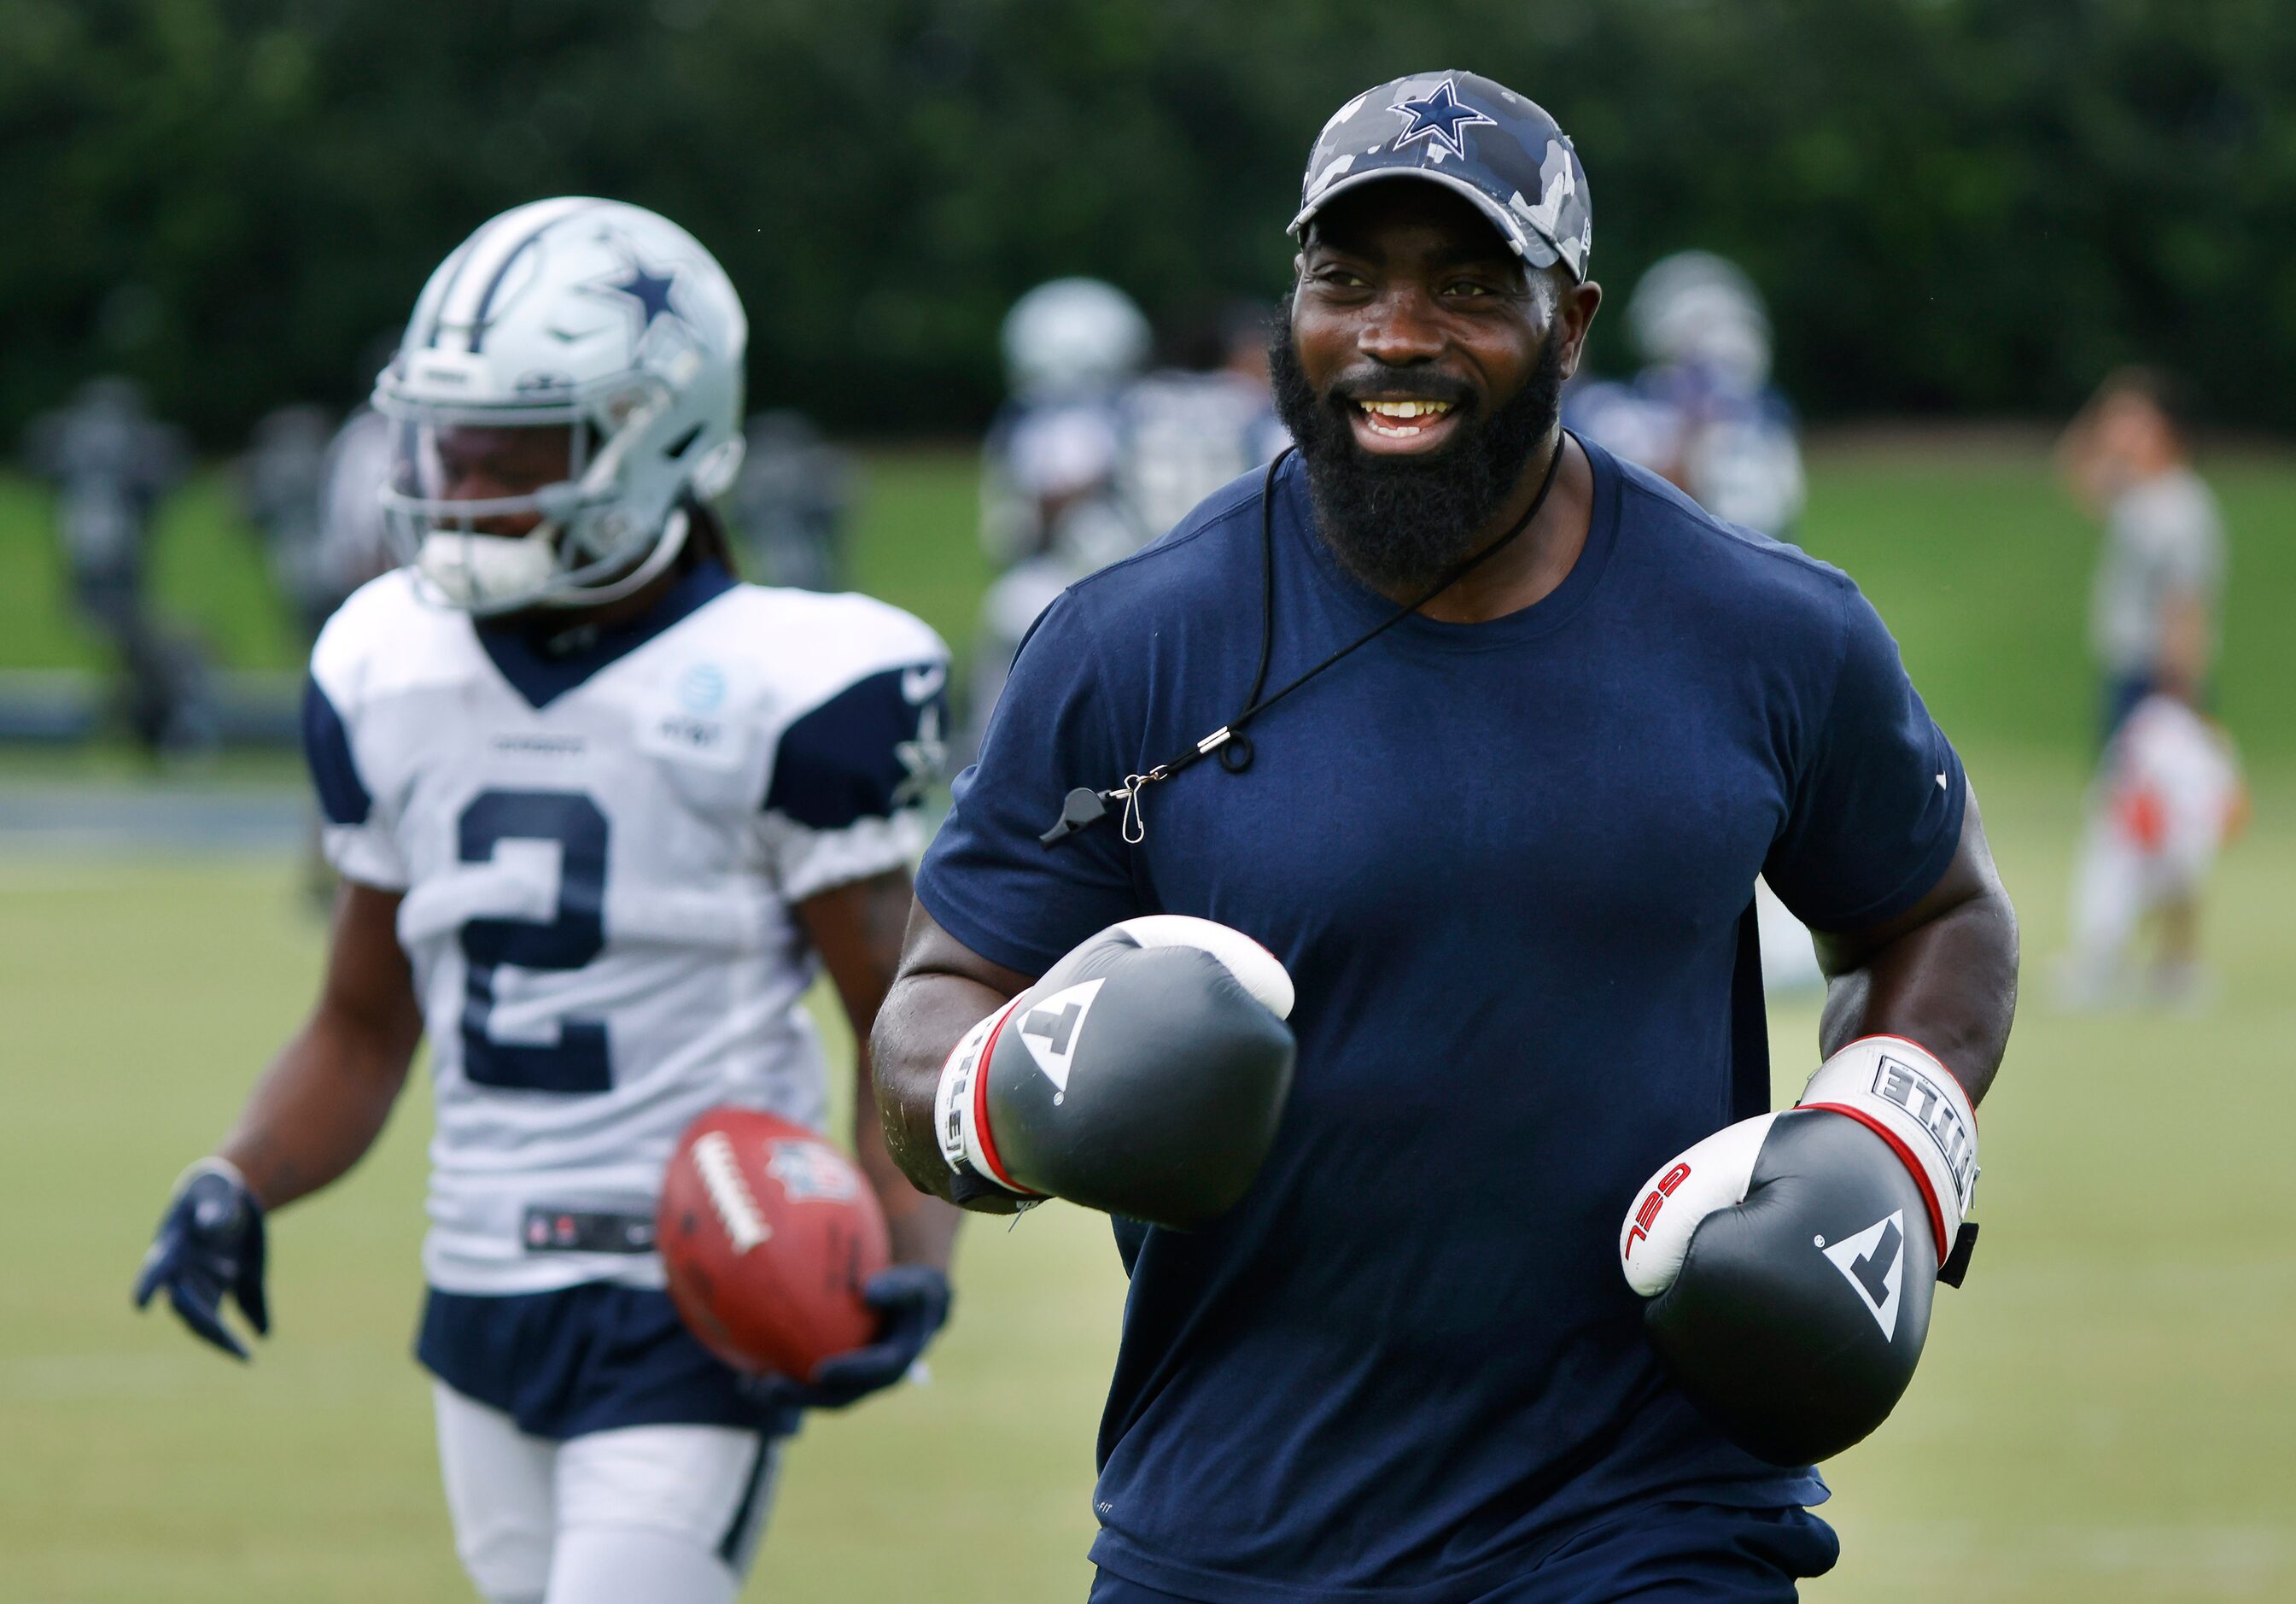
{"x": 768, "y": 1235}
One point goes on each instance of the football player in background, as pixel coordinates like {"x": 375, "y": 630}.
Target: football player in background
{"x": 314, "y": 495}
{"x": 2167, "y": 796}
{"x": 2161, "y": 577}
{"x": 790, "y": 502}
{"x": 2167, "y": 788}
{"x": 355, "y": 542}
{"x": 281, "y": 485}
{"x": 1184, "y": 431}
{"x": 1071, "y": 347}
{"x": 601, "y": 813}
{"x": 1702, "y": 414}
{"x": 112, "y": 464}
{"x": 1092, "y": 460}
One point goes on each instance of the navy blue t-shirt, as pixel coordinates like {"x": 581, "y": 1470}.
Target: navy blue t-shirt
{"x": 1509, "y": 865}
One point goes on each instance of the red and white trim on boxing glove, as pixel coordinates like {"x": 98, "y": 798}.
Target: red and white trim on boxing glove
{"x": 960, "y": 1103}
{"x": 1709, "y": 1176}
{"x": 1894, "y": 1087}
{"x": 1899, "y": 1090}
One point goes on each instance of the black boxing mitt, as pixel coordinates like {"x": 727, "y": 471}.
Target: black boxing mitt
{"x": 1789, "y": 1259}
{"x": 1143, "y": 1075}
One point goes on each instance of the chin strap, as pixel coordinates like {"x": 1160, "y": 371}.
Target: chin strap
{"x": 493, "y": 574}
{"x": 465, "y": 570}
{"x": 469, "y": 572}
{"x": 674, "y": 532}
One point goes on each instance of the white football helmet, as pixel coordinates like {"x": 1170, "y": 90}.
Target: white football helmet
{"x": 1700, "y": 310}
{"x": 594, "y": 317}
{"x": 1071, "y": 336}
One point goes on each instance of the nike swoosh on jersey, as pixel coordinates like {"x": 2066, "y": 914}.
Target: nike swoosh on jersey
{"x": 920, "y": 685}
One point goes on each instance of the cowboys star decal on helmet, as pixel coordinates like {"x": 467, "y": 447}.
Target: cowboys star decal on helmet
{"x": 651, "y": 291}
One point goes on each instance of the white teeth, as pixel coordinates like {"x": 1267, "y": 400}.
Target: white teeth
{"x": 1407, "y": 408}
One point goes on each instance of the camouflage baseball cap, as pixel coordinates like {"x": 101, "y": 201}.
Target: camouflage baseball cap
{"x": 1470, "y": 134}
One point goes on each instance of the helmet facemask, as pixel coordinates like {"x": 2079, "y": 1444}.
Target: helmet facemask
{"x": 601, "y": 519}
{"x": 612, "y": 343}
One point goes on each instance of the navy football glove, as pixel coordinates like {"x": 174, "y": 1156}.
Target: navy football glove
{"x": 912, "y": 1303}
{"x": 209, "y": 1244}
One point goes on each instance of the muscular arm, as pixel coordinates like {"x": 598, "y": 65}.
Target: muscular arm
{"x": 941, "y": 989}
{"x": 1943, "y": 974}
{"x": 856, "y": 928}
{"x": 320, "y": 1106}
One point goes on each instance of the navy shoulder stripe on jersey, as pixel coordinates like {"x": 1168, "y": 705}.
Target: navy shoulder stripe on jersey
{"x": 866, "y": 752}
{"x": 327, "y": 748}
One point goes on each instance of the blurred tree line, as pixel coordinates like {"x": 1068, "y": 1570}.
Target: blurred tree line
{"x": 1953, "y": 204}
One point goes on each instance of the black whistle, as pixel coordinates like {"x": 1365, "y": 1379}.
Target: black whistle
{"x": 1079, "y": 810}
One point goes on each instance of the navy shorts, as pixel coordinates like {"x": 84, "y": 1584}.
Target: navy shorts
{"x": 2122, "y": 693}
{"x": 2121, "y": 696}
{"x": 596, "y": 1357}
{"x": 1653, "y": 1554}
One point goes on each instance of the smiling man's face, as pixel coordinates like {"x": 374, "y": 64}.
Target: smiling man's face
{"x": 1420, "y": 370}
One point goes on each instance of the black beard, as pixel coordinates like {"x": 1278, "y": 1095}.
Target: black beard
{"x": 1399, "y": 523}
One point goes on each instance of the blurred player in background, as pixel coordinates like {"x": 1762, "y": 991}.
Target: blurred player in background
{"x": 1702, "y": 413}
{"x": 790, "y": 502}
{"x": 315, "y": 496}
{"x": 112, "y": 464}
{"x": 281, "y": 483}
{"x": 355, "y": 544}
{"x": 2167, "y": 796}
{"x": 601, "y": 814}
{"x": 2161, "y": 576}
{"x": 354, "y": 536}
{"x": 1185, "y": 430}
{"x": 1071, "y": 347}
{"x": 1092, "y": 460}
{"x": 2168, "y": 792}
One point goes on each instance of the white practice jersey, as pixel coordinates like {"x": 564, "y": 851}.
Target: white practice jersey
{"x": 2173, "y": 787}
{"x": 600, "y": 855}
{"x": 2163, "y": 539}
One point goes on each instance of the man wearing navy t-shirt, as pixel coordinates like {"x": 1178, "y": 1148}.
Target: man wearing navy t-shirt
{"x": 1529, "y": 724}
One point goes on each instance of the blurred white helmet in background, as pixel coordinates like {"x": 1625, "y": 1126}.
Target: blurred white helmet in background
{"x": 592, "y": 316}
{"x": 1696, "y": 309}
{"x": 1072, "y": 335}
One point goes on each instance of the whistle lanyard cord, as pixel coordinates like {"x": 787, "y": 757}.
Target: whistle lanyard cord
{"x": 1254, "y": 704}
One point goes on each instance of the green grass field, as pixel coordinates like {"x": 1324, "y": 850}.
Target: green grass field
{"x": 2104, "y": 1414}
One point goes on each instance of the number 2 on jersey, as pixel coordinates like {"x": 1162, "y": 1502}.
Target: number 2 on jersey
{"x": 577, "y": 1061}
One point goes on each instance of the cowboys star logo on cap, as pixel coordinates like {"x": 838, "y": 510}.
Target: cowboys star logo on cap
{"x": 1523, "y": 173}
{"x": 1437, "y": 115}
